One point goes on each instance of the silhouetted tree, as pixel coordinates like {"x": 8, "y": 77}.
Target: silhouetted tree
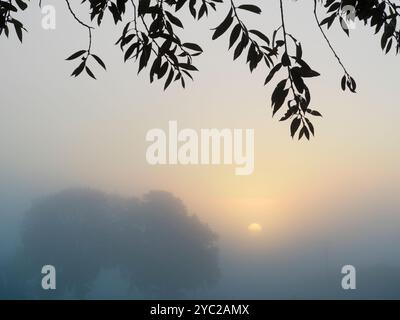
{"x": 151, "y": 38}
{"x": 158, "y": 247}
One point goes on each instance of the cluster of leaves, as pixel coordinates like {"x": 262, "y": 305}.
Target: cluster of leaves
{"x": 7, "y": 9}
{"x": 157, "y": 43}
{"x": 257, "y": 52}
{"x": 99, "y": 7}
{"x": 382, "y": 15}
{"x": 198, "y": 9}
{"x": 293, "y": 89}
{"x": 85, "y": 55}
{"x": 151, "y": 39}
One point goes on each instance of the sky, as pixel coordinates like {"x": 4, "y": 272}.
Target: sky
{"x": 338, "y": 191}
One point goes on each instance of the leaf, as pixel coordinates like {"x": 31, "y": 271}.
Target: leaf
{"x": 299, "y": 52}
{"x": 285, "y": 59}
{"x": 18, "y": 30}
{"x": 163, "y": 70}
{"x": 310, "y": 126}
{"x": 352, "y": 85}
{"x": 192, "y": 46}
{"x": 22, "y": 5}
{"x": 301, "y": 134}
{"x": 291, "y": 111}
{"x": 115, "y": 12}
{"x": 144, "y": 58}
{"x": 260, "y": 35}
{"x": 298, "y": 81}
{"x": 235, "y": 35}
{"x": 308, "y": 73}
{"x": 343, "y": 83}
{"x": 174, "y": 19}
{"x": 224, "y": 26}
{"x": 278, "y": 96}
{"x": 344, "y": 26}
{"x": 90, "y": 73}
{"x": 169, "y": 79}
{"x": 251, "y": 8}
{"x": 304, "y": 132}
{"x": 305, "y": 71}
{"x": 76, "y": 55}
{"x": 314, "y": 113}
{"x": 79, "y": 69}
{"x": 389, "y": 46}
{"x": 188, "y": 66}
{"x": 143, "y": 7}
{"x": 273, "y": 71}
{"x": 130, "y": 50}
{"x": 241, "y": 46}
{"x": 295, "y": 126}
{"x": 99, "y": 61}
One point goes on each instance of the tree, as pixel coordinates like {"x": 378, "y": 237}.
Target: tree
{"x": 152, "y": 40}
{"x": 159, "y": 248}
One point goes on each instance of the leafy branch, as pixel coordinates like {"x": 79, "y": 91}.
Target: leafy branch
{"x": 84, "y": 54}
{"x": 7, "y": 10}
{"x": 151, "y": 39}
{"x": 347, "y": 79}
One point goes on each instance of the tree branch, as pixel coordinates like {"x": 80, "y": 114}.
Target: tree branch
{"x": 83, "y": 24}
{"x": 327, "y": 39}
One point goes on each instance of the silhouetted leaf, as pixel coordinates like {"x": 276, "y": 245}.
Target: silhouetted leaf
{"x": 76, "y": 55}
{"x": 224, "y": 26}
{"x": 295, "y": 126}
{"x": 251, "y": 8}
{"x": 99, "y": 61}
{"x": 90, "y": 73}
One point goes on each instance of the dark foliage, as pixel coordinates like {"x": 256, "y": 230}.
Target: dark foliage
{"x": 151, "y": 39}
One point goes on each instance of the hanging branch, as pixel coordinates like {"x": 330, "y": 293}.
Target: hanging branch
{"x": 84, "y": 54}
{"x": 347, "y": 80}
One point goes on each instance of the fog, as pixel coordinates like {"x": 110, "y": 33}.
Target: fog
{"x": 105, "y": 246}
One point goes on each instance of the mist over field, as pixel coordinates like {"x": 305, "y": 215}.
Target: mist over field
{"x": 106, "y": 246}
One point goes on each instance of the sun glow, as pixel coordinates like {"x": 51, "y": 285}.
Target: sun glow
{"x": 255, "y": 228}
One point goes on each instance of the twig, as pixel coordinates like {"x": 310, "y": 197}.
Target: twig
{"x": 327, "y": 39}
{"x": 83, "y": 24}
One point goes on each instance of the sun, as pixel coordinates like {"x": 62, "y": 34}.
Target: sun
{"x": 254, "y": 228}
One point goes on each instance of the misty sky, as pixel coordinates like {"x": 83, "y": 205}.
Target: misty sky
{"x": 338, "y": 192}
